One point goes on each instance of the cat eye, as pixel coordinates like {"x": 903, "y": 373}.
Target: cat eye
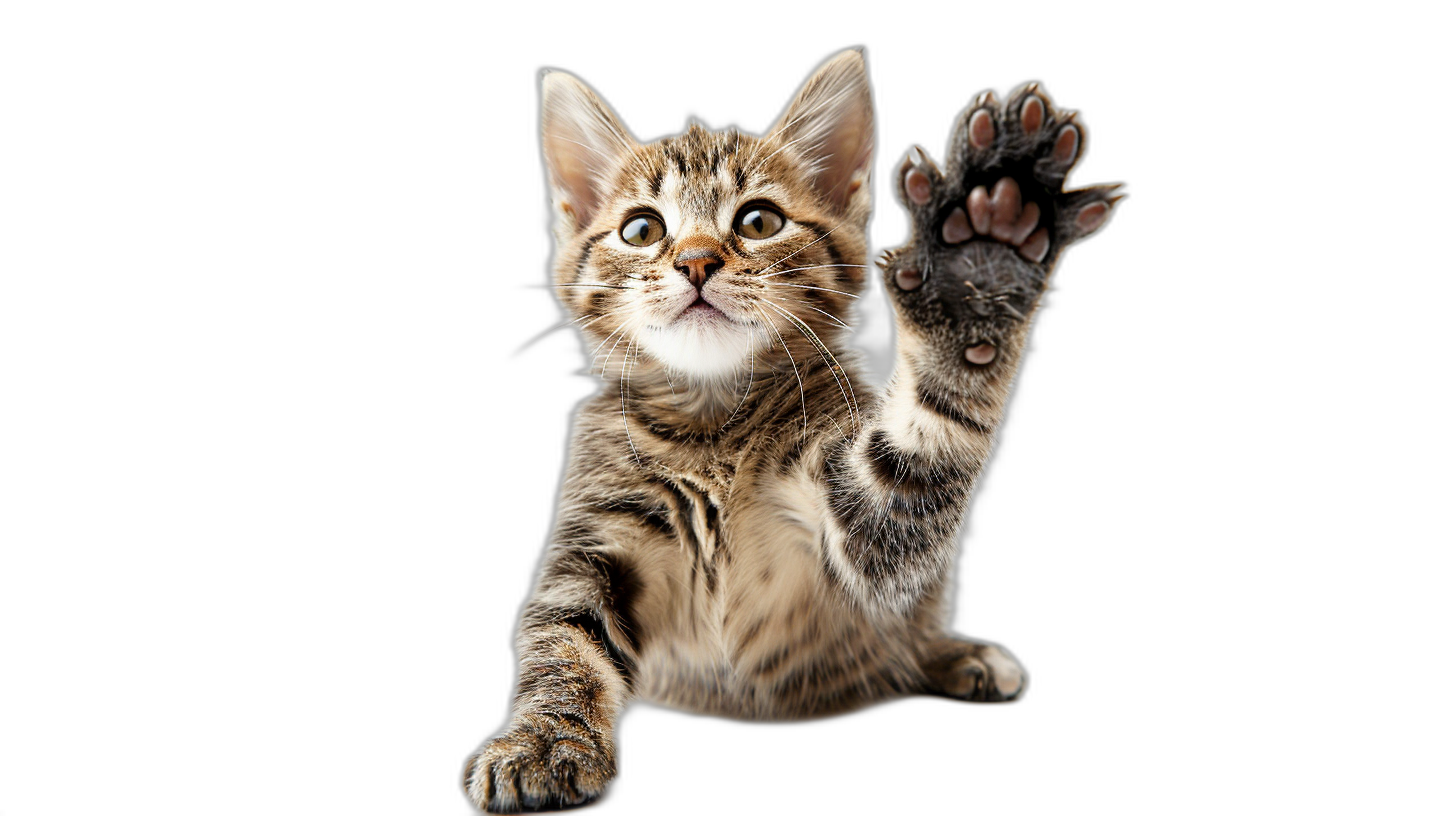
{"x": 758, "y": 221}
{"x": 643, "y": 230}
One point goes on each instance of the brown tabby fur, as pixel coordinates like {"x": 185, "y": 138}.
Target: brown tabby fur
{"x": 771, "y": 540}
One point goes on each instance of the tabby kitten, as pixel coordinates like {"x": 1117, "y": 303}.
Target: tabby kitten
{"x": 746, "y": 528}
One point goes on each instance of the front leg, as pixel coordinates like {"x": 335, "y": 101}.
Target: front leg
{"x": 985, "y": 235}
{"x": 576, "y": 660}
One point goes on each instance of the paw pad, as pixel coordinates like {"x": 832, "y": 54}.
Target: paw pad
{"x": 909, "y": 279}
{"x": 957, "y": 228}
{"x": 1033, "y": 110}
{"x": 917, "y": 187}
{"x": 983, "y": 130}
{"x": 1064, "y": 151}
{"x": 1091, "y": 216}
{"x": 980, "y": 354}
{"x": 998, "y": 217}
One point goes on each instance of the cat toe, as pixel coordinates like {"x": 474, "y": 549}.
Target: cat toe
{"x": 538, "y": 766}
{"x": 976, "y": 671}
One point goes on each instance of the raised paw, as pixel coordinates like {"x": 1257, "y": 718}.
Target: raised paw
{"x": 987, "y": 231}
{"x": 976, "y": 671}
{"x": 541, "y": 762}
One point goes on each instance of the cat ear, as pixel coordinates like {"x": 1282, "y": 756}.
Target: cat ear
{"x": 582, "y": 142}
{"x": 832, "y": 123}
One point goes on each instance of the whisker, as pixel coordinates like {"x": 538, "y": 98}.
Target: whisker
{"x": 846, "y": 389}
{"x": 542, "y": 335}
{"x": 797, "y": 251}
{"x": 626, "y": 386}
{"x": 803, "y": 401}
{"x": 818, "y": 288}
{"x": 746, "y": 389}
{"x": 596, "y": 354}
{"x": 836, "y": 320}
{"x": 588, "y": 286}
{"x": 817, "y": 266}
{"x": 613, "y": 349}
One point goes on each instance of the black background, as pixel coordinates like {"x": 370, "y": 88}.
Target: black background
{"x": 415, "y": 456}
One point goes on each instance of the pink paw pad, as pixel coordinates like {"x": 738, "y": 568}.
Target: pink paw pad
{"x": 979, "y": 204}
{"x": 1005, "y": 208}
{"x": 1033, "y": 111}
{"x": 980, "y": 354}
{"x": 909, "y": 279}
{"x": 956, "y": 228}
{"x": 917, "y": 187}
{"x": 983, "y": 130}
{"x": 1036, "y": 246}
{"x": 1090, "y": 217}
{"x": 999, "y": 214}
{"x": 1030, "y": 217}
{"x": 1065, "y": 149}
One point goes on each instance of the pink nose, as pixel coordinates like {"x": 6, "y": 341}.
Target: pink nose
{"x": 698, "y": 265}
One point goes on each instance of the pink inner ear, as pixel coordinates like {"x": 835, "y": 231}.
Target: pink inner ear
{"x": 831, "y": 125}
{"x": 581, "y": 141}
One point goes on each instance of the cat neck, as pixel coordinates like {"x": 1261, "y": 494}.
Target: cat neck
{"x": 702, "y": 406}
{"x": 685, "y": 400}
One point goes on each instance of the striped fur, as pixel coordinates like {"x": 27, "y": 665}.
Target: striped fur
{"x": 762, "y": 535}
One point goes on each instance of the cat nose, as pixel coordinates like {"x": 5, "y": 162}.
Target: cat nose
{"x": 698, "y": 265}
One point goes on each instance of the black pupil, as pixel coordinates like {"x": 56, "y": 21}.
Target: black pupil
{"x": 754, "y": 222}
{"x": 638, "y": 229}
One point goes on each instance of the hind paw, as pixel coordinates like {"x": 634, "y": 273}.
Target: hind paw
{"x": 976, "y": 671}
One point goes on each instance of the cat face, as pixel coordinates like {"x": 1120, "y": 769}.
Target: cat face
{"x": 703, "y": 252}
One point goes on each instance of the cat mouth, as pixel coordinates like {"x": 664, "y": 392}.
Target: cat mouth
{"x": 701, "y": 308}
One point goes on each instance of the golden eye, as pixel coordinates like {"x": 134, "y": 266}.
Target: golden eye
{"x": 758, "y": 221}
{"x": 643, "y": 229}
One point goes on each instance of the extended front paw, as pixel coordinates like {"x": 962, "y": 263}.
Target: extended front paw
{"x": 541, "y": 762}
{"x": 987, "y": 231}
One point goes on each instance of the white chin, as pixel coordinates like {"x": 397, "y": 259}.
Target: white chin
{"x": 702, "y": 348}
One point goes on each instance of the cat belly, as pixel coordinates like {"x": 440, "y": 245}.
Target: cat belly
{"x": 762, "y": 636}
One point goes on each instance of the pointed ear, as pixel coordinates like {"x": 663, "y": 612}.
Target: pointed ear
{"x": 832, "y": 123}
{"x": 582, "y": 142}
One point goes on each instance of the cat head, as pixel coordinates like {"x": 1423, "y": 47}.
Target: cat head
{"x": 706, "y": 251}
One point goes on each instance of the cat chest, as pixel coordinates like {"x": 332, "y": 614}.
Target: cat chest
{"x": 697, "y": 518}
{"x": 763, "y": 522}
{"x": 738, "y": 569}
